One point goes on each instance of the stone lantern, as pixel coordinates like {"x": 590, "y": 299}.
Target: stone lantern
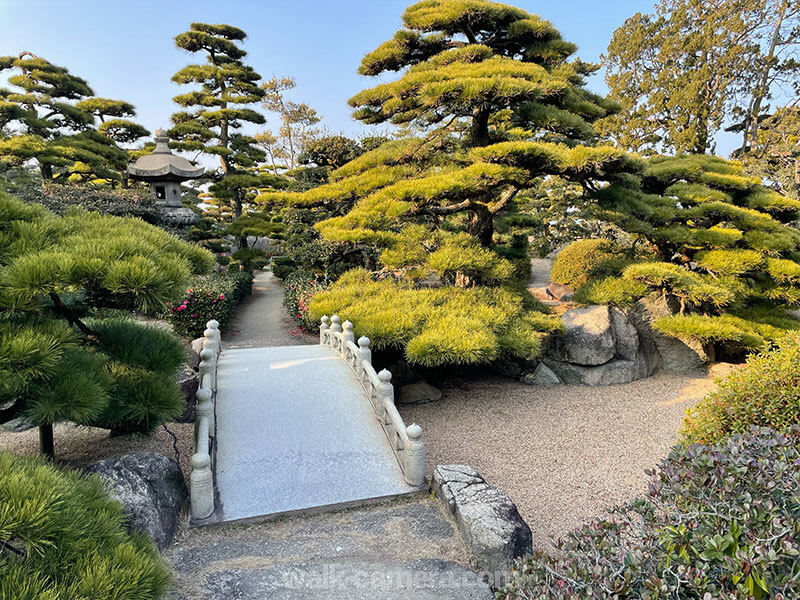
{"x": 165, "y": 171}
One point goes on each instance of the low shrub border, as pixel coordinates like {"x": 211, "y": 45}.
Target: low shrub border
{"x": 718, "y": 522}
{"x": 211, "y": 297}
{"x": 298, "y": 291}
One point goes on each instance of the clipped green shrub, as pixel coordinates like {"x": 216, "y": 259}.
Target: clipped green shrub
{"x": 62, "y": 537}
{"x": 435, "y": 327}
{"x": 251, "y": 259}
{"x": 616, "y": 291}
{"x": 299, "y": 289}
{"x": 282, "y": 266}
{"x": 718, "y": 521}
{"x": 211, "y": 297}
{"x": 583, "y": 260}
{"x": 766, "y": 392}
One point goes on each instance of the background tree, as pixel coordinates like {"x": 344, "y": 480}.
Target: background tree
{"x": 685, "y": 70}
{"x": 775, "y": 155}
{"x": 296, "y": 123}
{"x": 218, "y": 110}
{"x": 51, "y": 117}
{"x": 58, "y": 361}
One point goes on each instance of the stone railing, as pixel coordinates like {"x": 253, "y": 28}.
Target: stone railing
{"x": 406, "y": 442}
{"x": 201, "y": 480}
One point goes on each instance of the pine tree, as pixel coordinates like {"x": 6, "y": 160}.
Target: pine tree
{"x": 216, "y": 111}
{"x": 52, "y": 115}
{"x": 498, "y": 103}
{"x": 58, "y": 360}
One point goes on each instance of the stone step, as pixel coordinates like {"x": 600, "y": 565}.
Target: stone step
{"x": 296, "y": 433}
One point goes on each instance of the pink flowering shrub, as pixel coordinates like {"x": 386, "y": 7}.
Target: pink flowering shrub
{"x": 211, "y": 297}
{"x": 298, "y": 290}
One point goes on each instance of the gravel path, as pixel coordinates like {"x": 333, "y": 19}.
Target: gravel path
{"x": 563, "y": 453}
{"x": 261, "y": 320}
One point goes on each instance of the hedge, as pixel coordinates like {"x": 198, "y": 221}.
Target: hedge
{"x": 583, "y": 260}
{"x": 298, "y": 290}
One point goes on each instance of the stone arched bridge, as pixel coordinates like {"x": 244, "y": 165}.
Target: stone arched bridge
{"x": 287, "y": 429}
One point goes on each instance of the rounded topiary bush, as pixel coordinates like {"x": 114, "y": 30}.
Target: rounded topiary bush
{"x": 583, "y": 260}
{"x": 718, "y": 522}
{"x": 62, "y": 537}
{"x": 766, "y": 393}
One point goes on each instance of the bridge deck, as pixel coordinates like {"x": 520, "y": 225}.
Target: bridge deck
{"x": 295, "y": 431}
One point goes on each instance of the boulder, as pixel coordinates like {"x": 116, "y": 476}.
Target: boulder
{"x": 614, "y": 372}
{"x": 189, "y": 382}
{"x": 542, "y": 375}
{"x": 418, "y": 393}
{"x": 487, "y": 519}
{"x": 673, "y": 354}
{"x": 17, "y": 425}
{"x": 507, "y": 368}
{"x": 195, "y": 348}
{"x": 402, "y": 373}
{"x": 150, "y": 487}
{"x": 588, "y": 337}
{"x": 560, "y": 292}
{"x": 626, "y": 338}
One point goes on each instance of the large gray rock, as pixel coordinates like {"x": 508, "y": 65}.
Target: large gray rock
{"x": 560, "y": 292}
{"x": 150, "y": 487}
{"x": 626, "y": 338}
{"x": 673, "y": 354}
{"x": 189, "y": 382}
{"x": 541, "y": 375}
{"x": 614, "y": 372}
{"x": 488, "y": 520}
{"x": 195, "y": 348}
{"x": 588, "y": 337}
{"x": 419, "y": 393}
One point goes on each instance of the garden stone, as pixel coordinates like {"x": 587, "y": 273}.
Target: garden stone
{"x": 419, "y": 393}
{"x": 402, "y": 373}
{"x": 626, "y": 338}
{"x": 560, "y": 292}
{"x": 542, "y": 375}
{"x": 150, "y": 487}
{"x": 195, "y": 348}
{"x": 614, "y": 372}
{"x": 507, "y": 368}
{"x": 588, "y": 338}
{"x": 488, "y": 520}
{"x": 189, "y": 382}
{"x": 17, "y": 425}
{"x": 675, "y": 355}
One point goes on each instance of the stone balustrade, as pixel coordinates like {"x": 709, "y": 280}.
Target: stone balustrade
{"x": 201, "y": 480}
{"x": 406, "y": 442}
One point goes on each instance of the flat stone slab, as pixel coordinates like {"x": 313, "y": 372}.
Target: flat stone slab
{"x": 295, "y": 431}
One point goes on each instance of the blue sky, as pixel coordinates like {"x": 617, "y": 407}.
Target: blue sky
{"x": 125, "y": 50}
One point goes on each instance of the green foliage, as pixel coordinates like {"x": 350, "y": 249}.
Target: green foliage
{"x": 583, "y": 260}
{"x": 299, "y": 289}
{"x": 435, "y": 327}
{"x": 282, "y": 266}
{"x": 53, "y": 114}
{"x": 210, "y": 297}
{"x": 718, "y": 521}
{"x": 62, "y": 537}
{"x": 615, "y": 291}
{"x": 219, "y": 109}
{"x": 251, "y": 259}
{"x": 54, "y": 366}
{"x": 766, "y": 393}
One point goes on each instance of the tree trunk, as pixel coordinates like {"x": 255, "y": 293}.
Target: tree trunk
{"x": 46, "y": 170}
{"x": 479, "y": 129}
{"x": 465, "y": 280}
{"x": 237, "y": 204}
{"x": 46, "y": 444}
{"x": 481, "y": 225}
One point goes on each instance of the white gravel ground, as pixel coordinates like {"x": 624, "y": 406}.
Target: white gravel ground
{"x": 563, "y": 453}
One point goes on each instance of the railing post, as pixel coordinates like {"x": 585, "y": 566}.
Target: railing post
{"x": 336, "y": 327}
{"x": 414, "y": 456}
{"x": 324, "y": 326}
{"x": 201, "y": 483}
{"x": 204, "y": 408}
{"x": 386, "y": 396}
{"x": 207, "y": 368}
{"x": 364, "y": 354}
{"x": 347, "y": 336}
{"x": 213, "y": 336}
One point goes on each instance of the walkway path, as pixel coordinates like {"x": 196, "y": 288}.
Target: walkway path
{"x": 296, "y": 431}
{"x": 261, "y": 320}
